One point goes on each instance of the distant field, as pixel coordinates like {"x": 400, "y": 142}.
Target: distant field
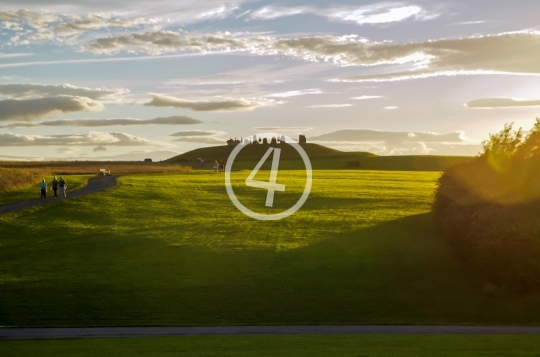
{"x": 170, "y": 249}
{"x": 272, "y": 346}
{"x": 321, "y": 157}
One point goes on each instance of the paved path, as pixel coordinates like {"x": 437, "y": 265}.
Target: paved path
{"x": 94, "y": 332}
{"x": 95, "y": 184}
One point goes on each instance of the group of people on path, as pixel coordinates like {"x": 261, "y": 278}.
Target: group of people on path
{"x": 219, "y": 166}
{"x": 57, "y": 185}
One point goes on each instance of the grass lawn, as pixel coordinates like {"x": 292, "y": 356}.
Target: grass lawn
{"x": 74, "y": 182}
{"x": 173, "y": 250}
{"x": 293, "y": 345}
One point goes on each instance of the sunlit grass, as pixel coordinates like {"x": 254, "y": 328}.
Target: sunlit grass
{"x": 172, "y": 249}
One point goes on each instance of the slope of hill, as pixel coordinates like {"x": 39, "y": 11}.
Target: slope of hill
{"x": 321, "y": 157}
{"x": 255, "y": 152}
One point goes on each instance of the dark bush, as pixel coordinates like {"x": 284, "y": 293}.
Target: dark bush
{"x": 488, "y": 209}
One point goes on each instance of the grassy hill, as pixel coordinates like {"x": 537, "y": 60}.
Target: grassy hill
{"x": 170, "y": 249}
{"x": 321, "y": 157}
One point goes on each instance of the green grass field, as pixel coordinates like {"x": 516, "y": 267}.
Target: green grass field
{"x": 32, "y": 192}
{"x": 173, "y": 250}
{"x": 293, "y": 345}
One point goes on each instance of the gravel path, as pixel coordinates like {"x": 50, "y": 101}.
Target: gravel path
{"x": 95, "y": 332}
{"x": 95, "y": 184}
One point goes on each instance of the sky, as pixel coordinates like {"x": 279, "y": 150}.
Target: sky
{"x": 119, "y": 79}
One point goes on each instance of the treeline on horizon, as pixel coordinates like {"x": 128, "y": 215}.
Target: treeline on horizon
{"x": 488, "y": 210}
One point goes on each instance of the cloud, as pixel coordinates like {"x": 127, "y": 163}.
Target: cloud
{"x": 197, "y": 133}
{"x": 94, "y": 22}
{"x": 364, "y": 97}
{"x": 390, "y": 107}
{"x": 172, "y": 120}
{"x": 66, "y": 150}
{"x": 380, "y": 13}
{"x": 29, "y": 91}
{"x": 506, "y": 53}
{"x": 26, "y": 17}
{"x": 200, "y": 136}
{"x": 218, "y": 104}
{"x": 282, "y": 129}
{"x": 396, "y": 143}
{"x": 274, "y": 12}
{"x": 356, "y": 135}
{"x": 501, "y": 103}
{"x": 91, "y": 139}
{"x": 157, "y": 42}
{"x": 468, "y": 22}
{"x": 30, "y": 26}
{"x": 202, "y": 140}
{"x": 28, "y": 109}
{"x": 295, "y": 93}
{"x": 100, "y": 148}
{"x": 330, "y": 106}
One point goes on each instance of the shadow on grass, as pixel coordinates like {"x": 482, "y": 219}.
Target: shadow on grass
{"x": 395, "y": 272}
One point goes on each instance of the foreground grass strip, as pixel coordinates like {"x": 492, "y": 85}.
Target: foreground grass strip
{"x": 292, "y": 345}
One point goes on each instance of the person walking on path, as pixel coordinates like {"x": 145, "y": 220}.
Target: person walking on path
{"x": 43, "y": 186}
{"x": 55, "y": 187}
{"x": 62, "y": 186}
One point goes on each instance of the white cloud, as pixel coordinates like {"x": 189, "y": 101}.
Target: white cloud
{"x": 274, "y": 12}
{"x": 28, "y": 109}
{"x": 364, "y": 97}
{"x": 469, "y": 22}
{"x": 488, "y": 103}
{"x": 378, "y": 13}
{"x": 173, "y": 120}
{"x": 217, "y": 104}
{"x": 359, "y": 135}
{"x": 91, "y": 139}
{"x": 390, "y": 107}
{"x": 202, "y": 140}
{"x": 30, "y": 26}
{"x": 158, "y": 42}
{"x": 330, "y": 106}
{"x": 94, "y": 22}
{"x": 28, "y": 91}
{"x": 398, "y": 143}
{"x": 515, "y": 53}
{"x": 295, "y": 93}
{"x": 197, "y": 133}
{"x": 283, "y": 129}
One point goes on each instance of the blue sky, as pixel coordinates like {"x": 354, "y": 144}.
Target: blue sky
{"x": 151, "y": 79}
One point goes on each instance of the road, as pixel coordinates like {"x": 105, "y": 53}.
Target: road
{"x": 99, "y": 332}
{"x": 95, "y": 184}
